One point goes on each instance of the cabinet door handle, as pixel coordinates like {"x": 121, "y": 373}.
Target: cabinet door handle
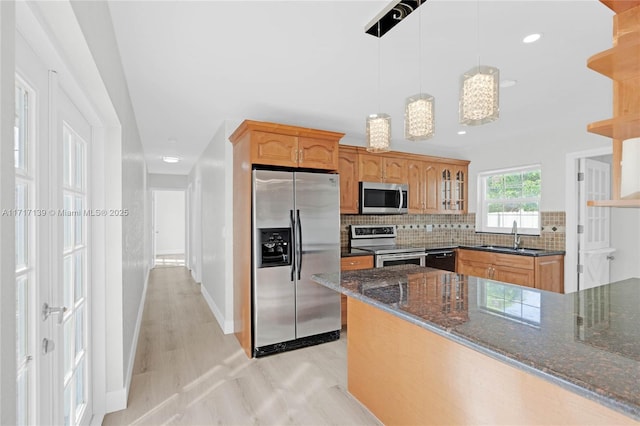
{"x": 301, "y": 156}
{"x": 294, "y": 155}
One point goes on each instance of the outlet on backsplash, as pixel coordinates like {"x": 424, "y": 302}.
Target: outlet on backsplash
{"x": 457, "y": 229}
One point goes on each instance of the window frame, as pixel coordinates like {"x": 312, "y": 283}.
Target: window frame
{"x": 483, "y": 203}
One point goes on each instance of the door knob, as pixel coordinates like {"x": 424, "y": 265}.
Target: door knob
{"x": 611, "y": 257}
{"x": 48, "y": 310}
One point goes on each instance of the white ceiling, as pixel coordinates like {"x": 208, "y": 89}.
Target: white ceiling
{"x": 192, "y": 65}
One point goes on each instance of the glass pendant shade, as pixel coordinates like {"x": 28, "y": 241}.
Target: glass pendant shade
{"x": 419, "y": 116}
{"x": 378, "y": 132}
{"x": 479, "y": 95}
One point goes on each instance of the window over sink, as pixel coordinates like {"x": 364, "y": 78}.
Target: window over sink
{"x": 509, "y": 195}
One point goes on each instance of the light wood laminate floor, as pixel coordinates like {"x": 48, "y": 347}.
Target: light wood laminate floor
{"x": 188, "y": 372}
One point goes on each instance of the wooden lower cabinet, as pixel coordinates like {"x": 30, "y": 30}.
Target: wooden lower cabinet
{"x": 352, "y": 263}
{"x": 549, "y": 273}
{"x": 408, "y": 375}
{"x": 541, "y": 272}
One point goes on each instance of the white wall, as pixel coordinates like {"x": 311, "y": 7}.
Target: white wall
{"x": 169, "y": 210}
{"x": 128, "y": 238}
{"x": 7, "y": 224}
{"x": 548, "y": 148}
{"x": 625, "y": 238}
{"x": 163, "y": 181}
{"x": 212, "y": 240}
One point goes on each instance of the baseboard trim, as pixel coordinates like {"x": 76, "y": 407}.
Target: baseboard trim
{"x": 96, "y": 420}
{"x": 170, "y": 251}
{"x": 117, "y": 400}
{"x": 225, "y": 325}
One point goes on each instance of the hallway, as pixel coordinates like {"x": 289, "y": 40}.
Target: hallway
{"x": 187, "y": 372}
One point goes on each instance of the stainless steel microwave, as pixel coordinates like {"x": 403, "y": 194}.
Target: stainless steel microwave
{"x": 383, "y": 198}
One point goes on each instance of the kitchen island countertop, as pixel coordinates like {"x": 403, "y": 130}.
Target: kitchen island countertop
{"x": 587, "y": 342}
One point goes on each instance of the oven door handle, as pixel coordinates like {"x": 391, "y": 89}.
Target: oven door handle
{"x": 402, "y": 256}
{"x": 441, "y": 254}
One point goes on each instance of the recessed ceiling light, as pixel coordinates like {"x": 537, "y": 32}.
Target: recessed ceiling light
{"x": 531, "y": 38}
{"x": 462, "y": 132}
{"x": 170, "y": 159}
{"x": 508, "y": 83}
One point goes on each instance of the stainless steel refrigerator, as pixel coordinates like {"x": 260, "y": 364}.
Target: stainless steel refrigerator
{"x": 296, "y": 233}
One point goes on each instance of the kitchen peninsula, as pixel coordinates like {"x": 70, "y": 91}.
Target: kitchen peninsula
{"x": 427, "y": 346}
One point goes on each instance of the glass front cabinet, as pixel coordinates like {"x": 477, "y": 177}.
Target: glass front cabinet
{"x": 453, "y": 190}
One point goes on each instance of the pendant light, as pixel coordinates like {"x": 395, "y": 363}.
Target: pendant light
{"x": 378, "y": 125}
{"x": 479, "y": 90}
{"x": 419, "y": 110}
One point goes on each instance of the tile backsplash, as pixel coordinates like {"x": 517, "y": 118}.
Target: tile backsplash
{"x": 457, "y": 229}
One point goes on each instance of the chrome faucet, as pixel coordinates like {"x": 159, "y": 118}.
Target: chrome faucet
{"x": 516, "y": 237}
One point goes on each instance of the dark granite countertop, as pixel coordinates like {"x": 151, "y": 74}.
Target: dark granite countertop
{"x": 354, "y": 252}
{"x": 520, "y": 252}
{"x": 588, "y": 342}
{"x": 440, "y": 246}
{"x": 346, "y": 252}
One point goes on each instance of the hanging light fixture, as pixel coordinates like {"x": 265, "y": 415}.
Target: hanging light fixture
{"x": 378, "y": 125}
{"x": 479, "y": 90}
{"x": 419, "y": 110}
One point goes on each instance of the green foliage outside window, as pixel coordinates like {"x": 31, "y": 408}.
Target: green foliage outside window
{"x": 513, "y": 186}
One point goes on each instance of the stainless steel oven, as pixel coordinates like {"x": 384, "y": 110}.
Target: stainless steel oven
{"x": 402, "y": 258}
{"x": 380, "y": 240}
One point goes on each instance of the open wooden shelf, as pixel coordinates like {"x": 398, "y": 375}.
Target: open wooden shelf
{"x": 624, "y": 127}
{"x": 613, "y": 203}
{"x": 620, "y": 62}
{"x": 620, "y": 6}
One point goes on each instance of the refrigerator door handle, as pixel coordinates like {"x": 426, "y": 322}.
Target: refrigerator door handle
{"x": 294, "y": 256}
{"x": 299, "y": 243}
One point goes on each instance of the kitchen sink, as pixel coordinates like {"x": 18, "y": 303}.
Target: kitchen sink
{"x": 503, "y": 249}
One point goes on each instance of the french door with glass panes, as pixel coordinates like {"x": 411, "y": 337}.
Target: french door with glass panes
{"x": 25, "y": 262}
{"x": 74, "y": 275}
{"x": 52, "y": 145}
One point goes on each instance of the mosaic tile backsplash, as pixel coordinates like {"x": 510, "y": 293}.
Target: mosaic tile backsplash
{"x": 458, "y": 229}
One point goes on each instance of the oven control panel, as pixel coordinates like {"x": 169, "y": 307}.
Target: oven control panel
{"x": 373, "y": 231}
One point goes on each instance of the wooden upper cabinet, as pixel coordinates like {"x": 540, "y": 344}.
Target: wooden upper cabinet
{"x": 288, "y": 146}
{"x": 274, "y": 149}
{"x": 423, "y": 187}
{"x": 348, "y": 170}
{"x": 377, "y": 168}
{"x": 317, "y": 153}
{"x": 430, "y": 188}
{"x": 370, "y": 168}
{"x": 452, "y": 191}
{"x": 415, "y": 175}
{"x": 436, "y": 185}
{"x": 394, "y": 170}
